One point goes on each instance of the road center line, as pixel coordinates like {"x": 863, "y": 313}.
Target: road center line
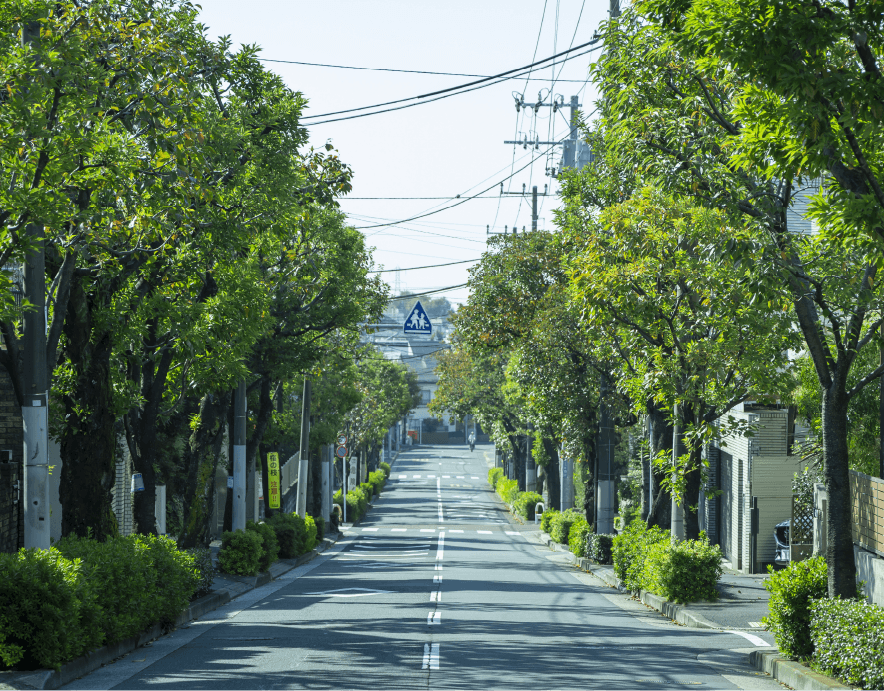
{"x": 431, "y": 656}
{"x": 440, "y": 551}
{"x": 434, "y": 618}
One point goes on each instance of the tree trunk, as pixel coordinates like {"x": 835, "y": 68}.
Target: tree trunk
{"x": 660, "y": 440}
{"x": 201, "y": 459}
{"x": 552, "y": 473}
{"x": 839, "y": 552}
{"x": 88, "y": 443}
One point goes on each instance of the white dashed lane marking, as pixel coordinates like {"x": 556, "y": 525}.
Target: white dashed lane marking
{"x": 434, "y": 618}
{"x": 431, "y": 656}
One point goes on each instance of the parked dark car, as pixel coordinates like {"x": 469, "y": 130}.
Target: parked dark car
{"x": 781, "y": 537}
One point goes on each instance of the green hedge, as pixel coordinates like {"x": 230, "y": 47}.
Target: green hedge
{"x": 269, "y": 543}
{"x": 357, "y": 504}
{"x": 546, "y": 519}
{"x": 631, "y": 548}
{"x": 848, "y": 640}
{"x": 560, "y": 525}
{"x": 494, "y": 476}
{"x": 598, "y": 547}
{"x": 525, "y": 503}
{"x": 49, "y": 613}
{"x": 685, "y": 571}
{"x": 377, "y": 479}
{"x": 143, "y": 579}
{"x": 508, "y": 490}
{"x": 60, "y": 603}
{"x": 311, "y": 532}
{"x": 240, "y": 552}
{"x": 292, "y": 533}
{"x": 577, "y": 537}
{"x": 386, "y": 468}
{"x": 791, "y": 592}
{"x": 202, "y": 561}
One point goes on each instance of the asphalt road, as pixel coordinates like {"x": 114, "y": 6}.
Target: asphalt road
{"x": 437, "y": 588}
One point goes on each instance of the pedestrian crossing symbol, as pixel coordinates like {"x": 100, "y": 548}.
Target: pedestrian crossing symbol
{"x": 418, "y": 322}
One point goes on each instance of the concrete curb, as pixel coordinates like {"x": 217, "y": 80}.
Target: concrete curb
{"x": 791, "y": 673}
{"x": 55, "y": 679}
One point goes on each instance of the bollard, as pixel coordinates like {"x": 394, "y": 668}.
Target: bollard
{"x": 538, "y": 505}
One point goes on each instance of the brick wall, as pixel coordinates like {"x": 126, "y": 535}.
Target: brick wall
{"x": 11, "y": 522}
{"x": 867, "y": 505}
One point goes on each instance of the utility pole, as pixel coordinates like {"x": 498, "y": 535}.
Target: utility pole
{"x": 534, "y": 195}
{"x": 305, "y": 449}
{"x": 238, "y": 520}
{"x": 676, "y": 522}
{"x": 35, "y": 403}
{"x": 605, "y": 508}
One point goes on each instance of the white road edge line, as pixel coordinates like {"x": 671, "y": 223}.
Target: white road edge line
{"x": 755, "y": 640}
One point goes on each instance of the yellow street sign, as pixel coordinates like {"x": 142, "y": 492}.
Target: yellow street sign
{"x": 273, "y": 479}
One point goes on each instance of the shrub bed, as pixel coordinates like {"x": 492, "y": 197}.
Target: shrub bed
{"x": 60, "y": 603}
{"x": 525, "y": 503}
{"x": 384, "y": 466}
{"x": 494, "y": 476}
{"x": 630, "y": 549}
{"x": 577, "y": 537}
{"x": 310, "y": 534}
{"x": 791, "y": 592}
{"x": 202, "y": 561}
{"x": 560, "y": 525}
{"x": 240, "y": 552}
{"x": 546, "y": 519}
{"x": 357, "y": 503}
{"x": 377, "y": 480}
{"x": 685, "y": 571}
{"x": 598, "y": 547}
{"x": 49, "y": 614}
{"x": 508, "y": 490}
{"x": 848, "y": 640}
{"x": 269, "y": 544}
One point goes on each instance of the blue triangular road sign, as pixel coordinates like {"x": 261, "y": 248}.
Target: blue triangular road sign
{"x": 418, "y": 322}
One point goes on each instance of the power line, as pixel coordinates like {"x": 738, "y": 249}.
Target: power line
{"x": 428, "y": 292}
{"x": 415, "y": 198}
{"x": 462, "y": 201}
{"x": 463, "y": 88}
{"x": 390, "y": 69}
{"x": 429, "y": 266}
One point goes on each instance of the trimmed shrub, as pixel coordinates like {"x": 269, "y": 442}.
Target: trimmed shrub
{"x": 356, "y": 504}
{"x": 577, "y": 537}
{"x": 286, "y": 528}
{"x": 386, "y": 468}
{"x": 685, "y": 571}
{"x": 494, "y": 476}
{"x": 631, "y": 548}
{"x": 560, "y": 526}
{"x": 320, "y": 528}
{"x": 525, "y": 503}
{"x": 269, "y": 545}
{"x": 377, "y": 479}
{"x": 546, "y": 519}
{"x": 791, "y": 591}
{"x": 368, "y": 490}
{"x": 240, "y": 552}
{"x": 202, "y": 561}
{"x": 48, "y": 612}
{"x": 508, "y": 490}
{"x": 310, "y": 534}
{"x": 848, "y": 640}
{"x": 598, "y": 547}
{"x": 176, "y": 577}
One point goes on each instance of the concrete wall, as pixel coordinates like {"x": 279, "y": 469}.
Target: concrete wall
{"x": 867, "y": 507}
{"x": 870, "y": 570}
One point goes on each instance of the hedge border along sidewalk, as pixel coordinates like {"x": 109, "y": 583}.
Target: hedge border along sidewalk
{"x": 236, "y": 586}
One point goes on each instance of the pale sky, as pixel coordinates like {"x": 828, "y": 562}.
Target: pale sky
{"x": 442, "y": 149}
